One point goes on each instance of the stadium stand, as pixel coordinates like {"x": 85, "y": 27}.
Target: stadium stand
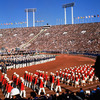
{"x": 82, "y": 38}
{"x": 74, "y": 40}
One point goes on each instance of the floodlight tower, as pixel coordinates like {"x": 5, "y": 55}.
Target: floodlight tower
{"x": 66, "y": 6}
{"x": 30, "y": 10}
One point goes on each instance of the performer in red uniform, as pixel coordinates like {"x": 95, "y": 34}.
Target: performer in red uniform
{"x": 9, "y": 88}
{"x": 25, "y": 77}
{"x": 57, "y": 74}
{"x": 83, "y": 81}
{"x": 46, "y": 79}
{"x": 30, "y": 80}
{"x": 52, "y": 81}
{"x": 2, "y": 76}
{"x": 62, "y": 79}
{"x": 17, "y": 81}
{"x": 22, "y": 89}
{"x": 35, "y": 81}
{"x": 41, "y": 87}
{"x": 3, "y": 83}
{"x": 58, "y": 85}
{"x": 76, "y": 82}
{"x": 28, "y": 77}
{"x": 60, "y": 73}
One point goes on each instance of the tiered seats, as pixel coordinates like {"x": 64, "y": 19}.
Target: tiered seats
{"x": 78, "y": 38}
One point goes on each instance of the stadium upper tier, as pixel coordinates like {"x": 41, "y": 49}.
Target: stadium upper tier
{"x": 75, "y": 38}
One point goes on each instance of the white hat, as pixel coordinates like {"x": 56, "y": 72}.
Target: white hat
{"x": 14, "y": 91}
{"x": 48, "y": 95}
{"x": 56, "y": 71}
{"x": 17, "y": 75}
{"x": 14, "y": 72}
{"x": 26, "y": 71}
{"x": 65, "y": 73}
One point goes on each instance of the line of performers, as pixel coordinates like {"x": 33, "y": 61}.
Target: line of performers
{"x": 40, "y": 80}
{"x": 74, "y": 76}
{"x": 8, "y": 85}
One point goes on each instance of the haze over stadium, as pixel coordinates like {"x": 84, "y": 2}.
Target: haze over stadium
{"x": 49, "y": 50}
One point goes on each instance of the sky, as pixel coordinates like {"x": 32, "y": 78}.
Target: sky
{"x": 51, "y": 11}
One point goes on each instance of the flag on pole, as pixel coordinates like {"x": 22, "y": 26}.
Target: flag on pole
{"x": 97, "y": 15}
{"x": 89, "y": 16}
{"x": 92, "y": 16}
{"x": 86, "y": 17}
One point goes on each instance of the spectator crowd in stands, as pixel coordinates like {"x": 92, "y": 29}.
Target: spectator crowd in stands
{"x": 84, "y": 38}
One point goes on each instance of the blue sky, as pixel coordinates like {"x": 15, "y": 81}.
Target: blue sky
{"x": 50, "y": 11}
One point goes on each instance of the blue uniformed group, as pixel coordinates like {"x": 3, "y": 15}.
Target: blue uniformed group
{"x": 19, "y": 61}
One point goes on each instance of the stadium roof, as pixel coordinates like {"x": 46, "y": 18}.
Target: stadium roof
{"x": 68, "y": 5}
{"x": 30, "y": 10}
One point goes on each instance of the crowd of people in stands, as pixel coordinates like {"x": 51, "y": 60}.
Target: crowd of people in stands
{"x": 74, "y": 76}
{"x": 17, "y": 36}
{"x": 83, "y": 38}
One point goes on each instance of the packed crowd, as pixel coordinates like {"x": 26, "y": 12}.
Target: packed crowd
{"x": 15, "y": 37}
{"x": 69, "y": 38}
{"x": 74, "y": 76}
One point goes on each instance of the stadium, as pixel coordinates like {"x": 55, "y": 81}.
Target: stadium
{"x": 50, "y": 62}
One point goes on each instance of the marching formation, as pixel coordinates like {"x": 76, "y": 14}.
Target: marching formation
{"x": 78, "y": 76}
{"x": 8, "y": 85}
{"x": 21, "y": 61}
{"x": 73, "y": 76}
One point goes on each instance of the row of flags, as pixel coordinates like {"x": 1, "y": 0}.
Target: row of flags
{"x": 13, "y": 23}
{"x": 92, "y": 16}
{"x": 16, "y": 23}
